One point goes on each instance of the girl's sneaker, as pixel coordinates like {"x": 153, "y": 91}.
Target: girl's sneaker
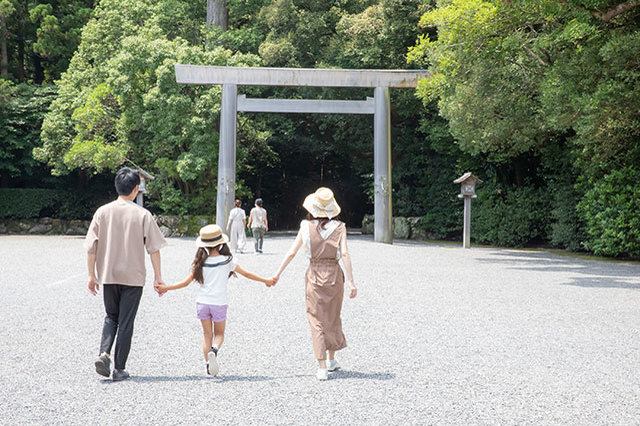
{"x": 332, "y": 365}
{"x": 212, "y": 367}
{"x": 322, "y": 374}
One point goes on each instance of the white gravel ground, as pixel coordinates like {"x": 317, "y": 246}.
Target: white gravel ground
{"x": 437, "y": 335}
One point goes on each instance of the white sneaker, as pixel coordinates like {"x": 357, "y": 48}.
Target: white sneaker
{"x": 332, "y": 365}
{"x": 322, "y": 374}
{"x": 213, "y": 366}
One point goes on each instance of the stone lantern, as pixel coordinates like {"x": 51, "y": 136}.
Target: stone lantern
{"x": 467, "y": 191}
{"x": 142, "y": 188}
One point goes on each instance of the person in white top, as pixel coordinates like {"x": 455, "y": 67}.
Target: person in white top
{"x": 235, "y": 228}
{"x": 258, "y": 223}
{"x": 324, "y": 238}
{"x": 211, "y": 268}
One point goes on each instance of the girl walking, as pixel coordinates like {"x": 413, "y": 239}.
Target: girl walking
{"x": 324, "y": 238}
{"x": 211, "y": 268}
{"x": 235, "y": 227}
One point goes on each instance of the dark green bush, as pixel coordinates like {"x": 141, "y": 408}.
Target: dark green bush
{"x": 568, "y": 228}
{"x": 610, "y": 209}
{"x": 510, "y": 216}
{"x": 28, "y": 203}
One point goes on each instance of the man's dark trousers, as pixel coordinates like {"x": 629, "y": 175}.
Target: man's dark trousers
{"x": 121, "y": 305}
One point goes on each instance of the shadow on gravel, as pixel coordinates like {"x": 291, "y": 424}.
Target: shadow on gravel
{"x": 595, "y": 273}
{"x": 346, "y": 374}
{"x": 149, "y": 379}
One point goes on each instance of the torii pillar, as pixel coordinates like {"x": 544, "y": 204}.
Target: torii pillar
{"x": 379, "y": 106}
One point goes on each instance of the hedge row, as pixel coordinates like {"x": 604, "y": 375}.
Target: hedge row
{"x": 29, "y": 203}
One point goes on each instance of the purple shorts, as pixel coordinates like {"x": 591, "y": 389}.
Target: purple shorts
{"x": 217, "y": 313}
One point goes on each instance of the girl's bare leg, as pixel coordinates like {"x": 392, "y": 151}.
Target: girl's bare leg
{"x": 207, "y": 333}
{"x": 218, "y": 329}
{"x": 332, "y": 355}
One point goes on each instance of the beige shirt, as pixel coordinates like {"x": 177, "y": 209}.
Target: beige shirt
{"x": 118, "y": 234}
{"x": 258, "y": 218}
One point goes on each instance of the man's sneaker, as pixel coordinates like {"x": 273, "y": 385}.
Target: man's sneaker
{"x": 212, "y": 367}
{"x": 120, "y": 375}
{"x": 332, "y": 365}
{"x": 322, "y": 374}
{"x": 103, "y": 365}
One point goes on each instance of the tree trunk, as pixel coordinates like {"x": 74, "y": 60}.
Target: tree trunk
{"x": 38, "y": 71}
{"x": 4, "y": 58}
{"x": 218, "y": 14}
{"x": 21, "y": 73}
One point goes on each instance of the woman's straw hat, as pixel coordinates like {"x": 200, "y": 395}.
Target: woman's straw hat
{"x": 211, "y": 236}
{"x": 322, "y": 204}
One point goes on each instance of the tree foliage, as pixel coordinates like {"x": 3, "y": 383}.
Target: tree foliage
{"x": 119, "y": 102}
{"x": 515, "y": 77}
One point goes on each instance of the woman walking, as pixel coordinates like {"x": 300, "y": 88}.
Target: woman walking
{"x": 324, "y": 238}
{"x": 235, "y": 228}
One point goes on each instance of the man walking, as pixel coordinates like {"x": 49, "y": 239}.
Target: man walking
{"x": 115, "y": 243}
{"x": 258, "y": 224}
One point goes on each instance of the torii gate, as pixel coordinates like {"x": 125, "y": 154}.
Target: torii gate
{"x": 232, "y": 77}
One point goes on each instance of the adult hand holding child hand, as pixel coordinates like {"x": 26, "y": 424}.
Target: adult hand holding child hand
{"x": 159, "y": 287}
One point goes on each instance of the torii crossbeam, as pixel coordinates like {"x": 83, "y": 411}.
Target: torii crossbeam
{"x": 232, "y": 77}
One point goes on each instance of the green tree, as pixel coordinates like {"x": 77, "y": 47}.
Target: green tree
{"x": 514, "y": 78}
{"x": 119, "y": 102}
{"x": 22, "y": 109}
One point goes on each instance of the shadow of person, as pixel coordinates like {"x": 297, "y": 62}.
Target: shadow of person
{"x": 348, "y": 374}
{"x": 221, "y": 378}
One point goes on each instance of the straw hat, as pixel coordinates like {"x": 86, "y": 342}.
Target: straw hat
{"x": 211, "y": 236}
{"x": 322, "y": 204}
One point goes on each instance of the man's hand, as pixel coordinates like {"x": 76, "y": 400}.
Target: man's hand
{"x": 93, "y": 285}
{"x": 157, "y": 284}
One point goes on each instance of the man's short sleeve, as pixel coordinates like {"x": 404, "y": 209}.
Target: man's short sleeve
{"x": 153, "y": 238}
{"x": 91, "y": 240}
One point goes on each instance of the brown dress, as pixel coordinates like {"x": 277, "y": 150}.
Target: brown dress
{"x": 324, "y": 292}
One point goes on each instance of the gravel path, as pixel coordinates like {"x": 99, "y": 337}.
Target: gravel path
{"x": 437, "y": 335}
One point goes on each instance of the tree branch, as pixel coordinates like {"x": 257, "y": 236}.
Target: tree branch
{"x": 617, "y": 10}
{"x": 611, "y": 13}
{"x": 535, "y": 55}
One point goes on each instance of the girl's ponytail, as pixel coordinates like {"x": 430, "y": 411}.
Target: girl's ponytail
{"x": 196, "y": 267}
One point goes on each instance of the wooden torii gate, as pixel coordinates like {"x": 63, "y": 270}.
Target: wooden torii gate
{"x": 232, "y": 77}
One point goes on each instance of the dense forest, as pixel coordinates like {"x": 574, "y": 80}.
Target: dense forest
{"x": 539, "y": 98}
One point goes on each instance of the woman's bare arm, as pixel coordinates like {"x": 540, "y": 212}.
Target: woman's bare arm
{"x": 290, "y": 255}
{"x": 346, "y": 261}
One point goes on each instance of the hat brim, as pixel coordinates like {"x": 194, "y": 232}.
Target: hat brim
{"x": 309, "y": 205}
{"x": 201, "y": 243}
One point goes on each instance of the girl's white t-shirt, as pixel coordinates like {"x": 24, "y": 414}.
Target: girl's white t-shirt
{"x": 215, "y": 274}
